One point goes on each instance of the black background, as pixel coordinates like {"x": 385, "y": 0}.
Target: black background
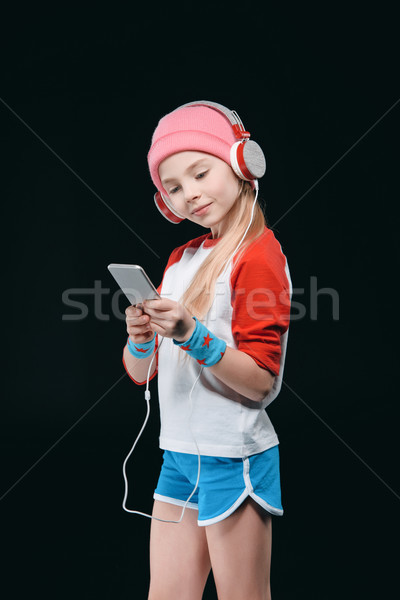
{"x": 81, "y": 92}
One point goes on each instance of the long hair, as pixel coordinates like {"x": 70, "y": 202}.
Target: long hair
{"x": 199, "y": 296}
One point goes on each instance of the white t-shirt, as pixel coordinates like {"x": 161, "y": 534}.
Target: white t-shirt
{"x": 251, "y": 312}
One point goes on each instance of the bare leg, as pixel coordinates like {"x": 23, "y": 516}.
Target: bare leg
{"x": 240, "y": 552}
{"x": 179, "y": 559}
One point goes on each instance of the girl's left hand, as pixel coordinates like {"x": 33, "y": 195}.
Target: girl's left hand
{"x": 169, "y": 319}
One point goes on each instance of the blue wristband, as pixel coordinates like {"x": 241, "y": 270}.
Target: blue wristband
{"x": 205, "y": 347}
{"x": 142, "y": 350}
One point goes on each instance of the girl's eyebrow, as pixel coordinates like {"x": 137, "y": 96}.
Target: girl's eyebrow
{"x": 190, "y": 168}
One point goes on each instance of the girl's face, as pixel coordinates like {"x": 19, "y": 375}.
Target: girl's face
{"x": 202, "y": 188}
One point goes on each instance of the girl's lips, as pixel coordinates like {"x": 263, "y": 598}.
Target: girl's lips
{"x": 201, "y": 211}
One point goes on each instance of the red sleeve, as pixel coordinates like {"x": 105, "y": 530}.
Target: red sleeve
{"x": 261, "y": 301}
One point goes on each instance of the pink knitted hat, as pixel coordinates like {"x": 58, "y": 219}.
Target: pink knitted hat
{"x": 198, "y": 128}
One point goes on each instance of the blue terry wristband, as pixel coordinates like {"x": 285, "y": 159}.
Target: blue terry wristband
{"x": 205, "y": 347}
{"x": 142, "y": 350}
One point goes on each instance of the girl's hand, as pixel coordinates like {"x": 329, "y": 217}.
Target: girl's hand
{"x": 137, "y": 325}
{"x": 169, "y": 319}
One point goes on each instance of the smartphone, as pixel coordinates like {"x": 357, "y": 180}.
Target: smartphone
{"x": 134, "y": 282}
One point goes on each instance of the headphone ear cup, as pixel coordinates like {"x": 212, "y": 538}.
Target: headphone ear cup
{"x": 166, "y": 210}
{"x": 248, "y": 160}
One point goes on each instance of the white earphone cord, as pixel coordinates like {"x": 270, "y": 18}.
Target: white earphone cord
{"x": 147, "y": 398}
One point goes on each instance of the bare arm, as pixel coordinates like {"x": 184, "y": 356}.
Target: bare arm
{"x": 236, "y": 368}
{"x": 241, "y": 373}
{"x": 137, "y": 325}
{"x": 137, "y": 368}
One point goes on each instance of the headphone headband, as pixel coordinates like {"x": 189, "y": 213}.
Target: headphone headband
{"x": 232, "y": 116}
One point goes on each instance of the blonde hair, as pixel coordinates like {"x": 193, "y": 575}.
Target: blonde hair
{"x": 199, "y": 296}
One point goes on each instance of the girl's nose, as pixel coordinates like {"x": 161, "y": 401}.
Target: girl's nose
{"x": 191, "y": 192}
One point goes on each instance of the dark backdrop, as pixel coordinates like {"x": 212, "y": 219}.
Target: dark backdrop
{"x": 81, "y": 92}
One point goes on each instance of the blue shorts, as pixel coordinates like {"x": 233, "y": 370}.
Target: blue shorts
{"x": 224, "y": 483}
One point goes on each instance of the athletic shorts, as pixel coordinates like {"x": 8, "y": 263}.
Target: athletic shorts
{"x": 224, "y": 483}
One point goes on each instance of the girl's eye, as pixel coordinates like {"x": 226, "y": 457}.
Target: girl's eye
{"x": 175, "y": 189}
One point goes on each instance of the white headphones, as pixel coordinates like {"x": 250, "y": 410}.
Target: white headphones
{"x": 246, "y": 157}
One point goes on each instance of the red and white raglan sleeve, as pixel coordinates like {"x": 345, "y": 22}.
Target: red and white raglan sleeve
{"x": 261, "y": 302}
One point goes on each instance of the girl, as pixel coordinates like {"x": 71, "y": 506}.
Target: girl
{"x": 223, "y": 318}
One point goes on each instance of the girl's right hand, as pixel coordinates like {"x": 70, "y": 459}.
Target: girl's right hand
{"x": 138, "y": 325}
